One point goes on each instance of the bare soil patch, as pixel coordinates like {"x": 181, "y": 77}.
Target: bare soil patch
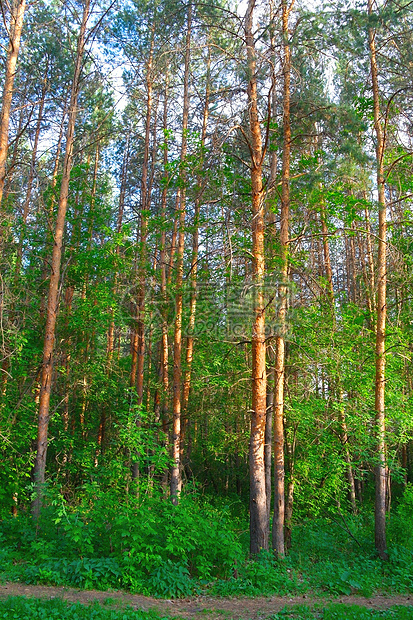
{"x": 205, "y": 607}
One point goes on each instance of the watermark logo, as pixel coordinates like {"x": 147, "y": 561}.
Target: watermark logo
{"x": 224, "y": 311}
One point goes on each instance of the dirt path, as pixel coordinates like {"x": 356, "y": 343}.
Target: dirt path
{"x": 210, "y": 608}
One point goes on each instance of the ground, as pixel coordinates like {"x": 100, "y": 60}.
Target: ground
{"x": 204, "y": 607}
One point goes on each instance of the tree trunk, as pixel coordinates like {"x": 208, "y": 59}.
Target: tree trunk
{"x": 53, "y": 297}
{"x": 194, "y": 265}
{"x": 15, "y": 29}
{"x": 162, "y": 258}
{"x": 119, "y": 223}
{"x": 51, "y": 209}
{"x": 290, "y": 445}
{"x": 145, "y": 206}
{"x": 341, "y": 415}
{"x": 30, "y": 182}
{"x": 380, "y": 470}
{"x": 268, "y": 440}
{"x": 176, "y": 475}
{"x": 258, "y": 500}
{"x": 279, "y": 366}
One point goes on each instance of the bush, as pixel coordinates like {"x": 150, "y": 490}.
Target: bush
{"x": 150, "y": 546}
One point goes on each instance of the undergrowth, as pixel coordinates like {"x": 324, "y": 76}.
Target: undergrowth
{"x": 343, "y": 612}
{"x": 40, "y": 609}
{"x": 154, "y": 548}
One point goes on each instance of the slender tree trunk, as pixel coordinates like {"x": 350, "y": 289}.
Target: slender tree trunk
{"x": 258, "y": 500}
{"x": 363, "y": 267}
{"x": 174, "y": 236}
{"x": 51, "y": 209}
{"x": 19, "y": 132}
{"x": 290, "y": 445}
{"x": 18, "y": 8}
{"x": 164, "y": 349}
{"x": 279, "y": 366}
{"x": 194, "y": 259}
{"x": 341, "y": 415}
{"x": 53, "y": 297}
{"x": 176, "y": 475}
{"x": 271, "y": 220}
{"x": 145, "y": 206}
{"x": 119, "y": 223}
{"x": 370, "y": 261}
{"x": 268, "y": 440}
{"x": 380, "y": 470}
{"x": 30, "y": 183}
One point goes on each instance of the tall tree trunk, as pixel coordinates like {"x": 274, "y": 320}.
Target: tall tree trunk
{"x": 119, "y": 224}
{"x": 380, "y": 470}
{"x": 145, "y": 206}
{"x": 19, "y": 133}
{"x": 164, "y": 350}
{"x": 32, "y": 170}
{"x": 271, "y": 221}
{"x": 258, "y": 500}
{"x": 194, "y": 258}
{"x": 341, "y": 414}
{"x": 290, "y": 445}
{"x": 370, "y": 261}
{"x": 269, "y": 439}
{"x": 53, "y": 297}
{"x": 176, "y": 475}
{"x": 51, "y": 209}
{"x": 18, "y": 8}
{"x": 279, "y": 366}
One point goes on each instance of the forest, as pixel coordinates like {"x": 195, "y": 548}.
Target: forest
{"x": 206, "y": 295}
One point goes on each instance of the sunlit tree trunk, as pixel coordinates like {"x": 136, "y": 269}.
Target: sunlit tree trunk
{"x": 271, "y": 221}
{"x": 194, "y": 266}
{"x": 290, "y": 451}
{"x": 176, "y": 476}
{"x": 53, "y": 297}
{"x": 279, "y": 366}
{"x": 18, "y": 8}
{"x": 145, "y": 206}
{"x": 380, "y": 470}
{"x": 52, "y": 203}
{"x": 164, "y": 345}
{"x": 258, "y": 501}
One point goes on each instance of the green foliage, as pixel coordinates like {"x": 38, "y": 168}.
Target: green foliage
{"x": 154, "y": 548}
{"x": 402, "y": 524}
{"x": 39, "y": 609}
{"x": 342, "y": 612}
{"x": 151, "y": 546}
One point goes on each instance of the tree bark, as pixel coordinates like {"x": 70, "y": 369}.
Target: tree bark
{"x": 15, "y": 29}
{"x": 341, "y": 416}
{"x": 194, "y": 266}
{"x": 258, "y": 501}
{"x": 145, "y": 206}
{"x": 53, "y": 297}
{"x": 30, "y": 181}
{"x": 279, "y": 366}
{"x": 176, "y": 474}
{"x": 119, "y": 223}
{"x": 380, "y": 469}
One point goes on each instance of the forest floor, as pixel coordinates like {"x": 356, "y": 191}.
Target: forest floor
{"x": 201, "y": 607}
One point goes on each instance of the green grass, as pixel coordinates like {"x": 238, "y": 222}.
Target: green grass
{"x": 21, "y": 608}
{"x": 343, "y": 612}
